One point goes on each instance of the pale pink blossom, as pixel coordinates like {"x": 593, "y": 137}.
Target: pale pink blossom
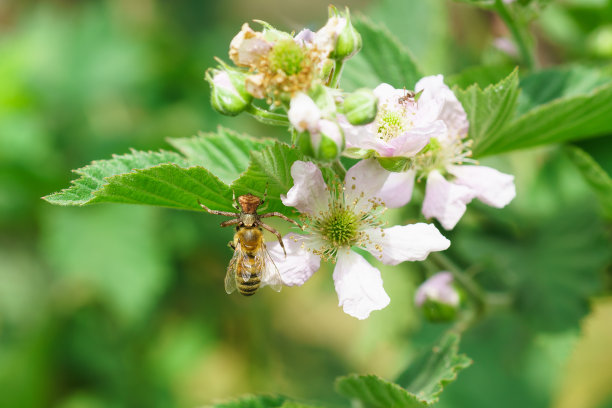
{"x": 402, "y": 126}
{"x": 343, "y": 217}
{"x": 451, "y": 183}
{"x": 438, "y": 288}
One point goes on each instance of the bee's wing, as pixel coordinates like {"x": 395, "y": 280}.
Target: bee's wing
{"x": 230, "y": 276}
{"x": 270, "y": 274}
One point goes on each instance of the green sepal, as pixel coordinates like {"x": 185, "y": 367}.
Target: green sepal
{"x": 395, "y": 164}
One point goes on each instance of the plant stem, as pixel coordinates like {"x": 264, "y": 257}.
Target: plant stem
{"x": 338, "y": 168}
{"x": 267, "y": 117}
{"x": 517, "y": 33}
{"x": 464, "y": 280}
{"x": 335, "y": 79}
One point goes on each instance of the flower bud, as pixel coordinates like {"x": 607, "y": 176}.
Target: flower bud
{"x": 349, "y": 41}
{"x": 326, "y": 143}
{"x": 228, "y": 93}
{"x": 360, "y": 107}
{"x": 437, "y": 298}
{"x": 338, "y": 37}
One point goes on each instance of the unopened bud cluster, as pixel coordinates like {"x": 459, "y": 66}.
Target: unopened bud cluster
{"x": 296, "y": 75}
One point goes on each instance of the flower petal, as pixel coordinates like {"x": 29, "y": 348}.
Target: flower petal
{"x": 309, "y": 193}
{"x": 490, "y": 186}
{"x": 363, "y": 182}
{"x": 438, "y": 288}
{"x": 359, "y": 286}
{"x": 401, "y": 243}
{"x": 397, "y": 190}
{"x": 299, "y": 264}
{"x": 414, "y": 140}
{"x": 444, "y": 200}
{"x": 303, "y": 113}
{"x": 451, "y": 110}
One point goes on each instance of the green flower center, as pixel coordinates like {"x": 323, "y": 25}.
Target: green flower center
{"x": 340, "y": 228}
{"x": 390, "y": 124}
{"x": 286, "y": 56}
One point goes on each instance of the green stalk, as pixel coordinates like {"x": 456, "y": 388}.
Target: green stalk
{"x": 335, "y": 79}
{"x": 517, "y": 33}
{"x": 267, "y": 117}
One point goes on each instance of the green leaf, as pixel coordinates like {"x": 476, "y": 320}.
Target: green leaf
{"x": 262, "y": 401}
{"x": 92, "y": 177}
{"x": 259, "y": 401}
{"x": 481, "y": 75}
{"x": 595, "y": 176}
{"x": 547, "y": 85}
{"x": 488, "y": 110}
{"x": 423, "y": 380}
{"x": 167, "y": 185}
{"x": 170, "y": 180}
{"x": 375, "y": 392}
{"x": 433, "y": 369}
{"x": 381, "y": 59}
{"x": 135, "y": 179}
{"x": 226, "y": 153}
{"x": 567, "y": 118}
{"x": 270, "y": 168}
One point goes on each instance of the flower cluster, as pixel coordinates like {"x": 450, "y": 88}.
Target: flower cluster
{"x": 400, "y": 137}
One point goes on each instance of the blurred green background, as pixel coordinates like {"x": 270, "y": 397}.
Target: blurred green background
{"x": 123, "y": 306}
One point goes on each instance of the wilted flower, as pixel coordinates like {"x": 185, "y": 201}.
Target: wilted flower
{"x": 281, "y": 65}
{"x": 343, "y": 217}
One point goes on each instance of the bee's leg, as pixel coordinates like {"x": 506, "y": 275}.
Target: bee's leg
{"x": 278, "y": 235}
{"x": 230, "y": 222}
{"x": 231, "y": 245}
{"x": 215, "y": 212}
{"x": 279, "y": 215}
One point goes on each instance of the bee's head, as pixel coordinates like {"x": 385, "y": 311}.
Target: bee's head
{"x": 249, "y": 203}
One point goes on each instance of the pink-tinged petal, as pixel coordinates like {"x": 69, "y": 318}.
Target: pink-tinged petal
{"x": 397, "y": 190}
{"x": 363, "y": 182}
{"x": 490, "y": 186}
{"x": 414, "y": 140}
{"x": 299, "y": 264}
{"x": 451, "y": 111}
{"x": 359, "y": 285}
{"x": 388, "y": 96}
{"x": 303, "y": 113}
{"x": 401, "y": 243}
{"x": 305, "y": 37}
{"x": 444, "y": 200}
{"x": 438, "y": 288}
{"x": 309, "y": 193}
{"x": 364, "y": 137}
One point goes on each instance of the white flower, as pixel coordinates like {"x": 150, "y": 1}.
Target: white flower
{"x": 342, "y": 217}
{"x": 402, "y": 126}
{"x": 304, "y": 114}
{"x": 451, "y": 184}
{"x": 438, "y": 288}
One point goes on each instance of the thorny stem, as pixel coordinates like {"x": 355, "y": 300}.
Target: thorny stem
{"x": 517, "y": 33}
{"x": 267, "y": 117}
{"x": 335, "y": 79}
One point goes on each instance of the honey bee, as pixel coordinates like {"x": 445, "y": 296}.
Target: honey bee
{"x": 251, "y": 265}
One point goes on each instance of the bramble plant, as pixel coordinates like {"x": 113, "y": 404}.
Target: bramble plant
{"x": 351, "y": 154}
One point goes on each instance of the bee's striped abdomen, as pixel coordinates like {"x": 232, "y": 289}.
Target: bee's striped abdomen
{"x": 248, "y": 287}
